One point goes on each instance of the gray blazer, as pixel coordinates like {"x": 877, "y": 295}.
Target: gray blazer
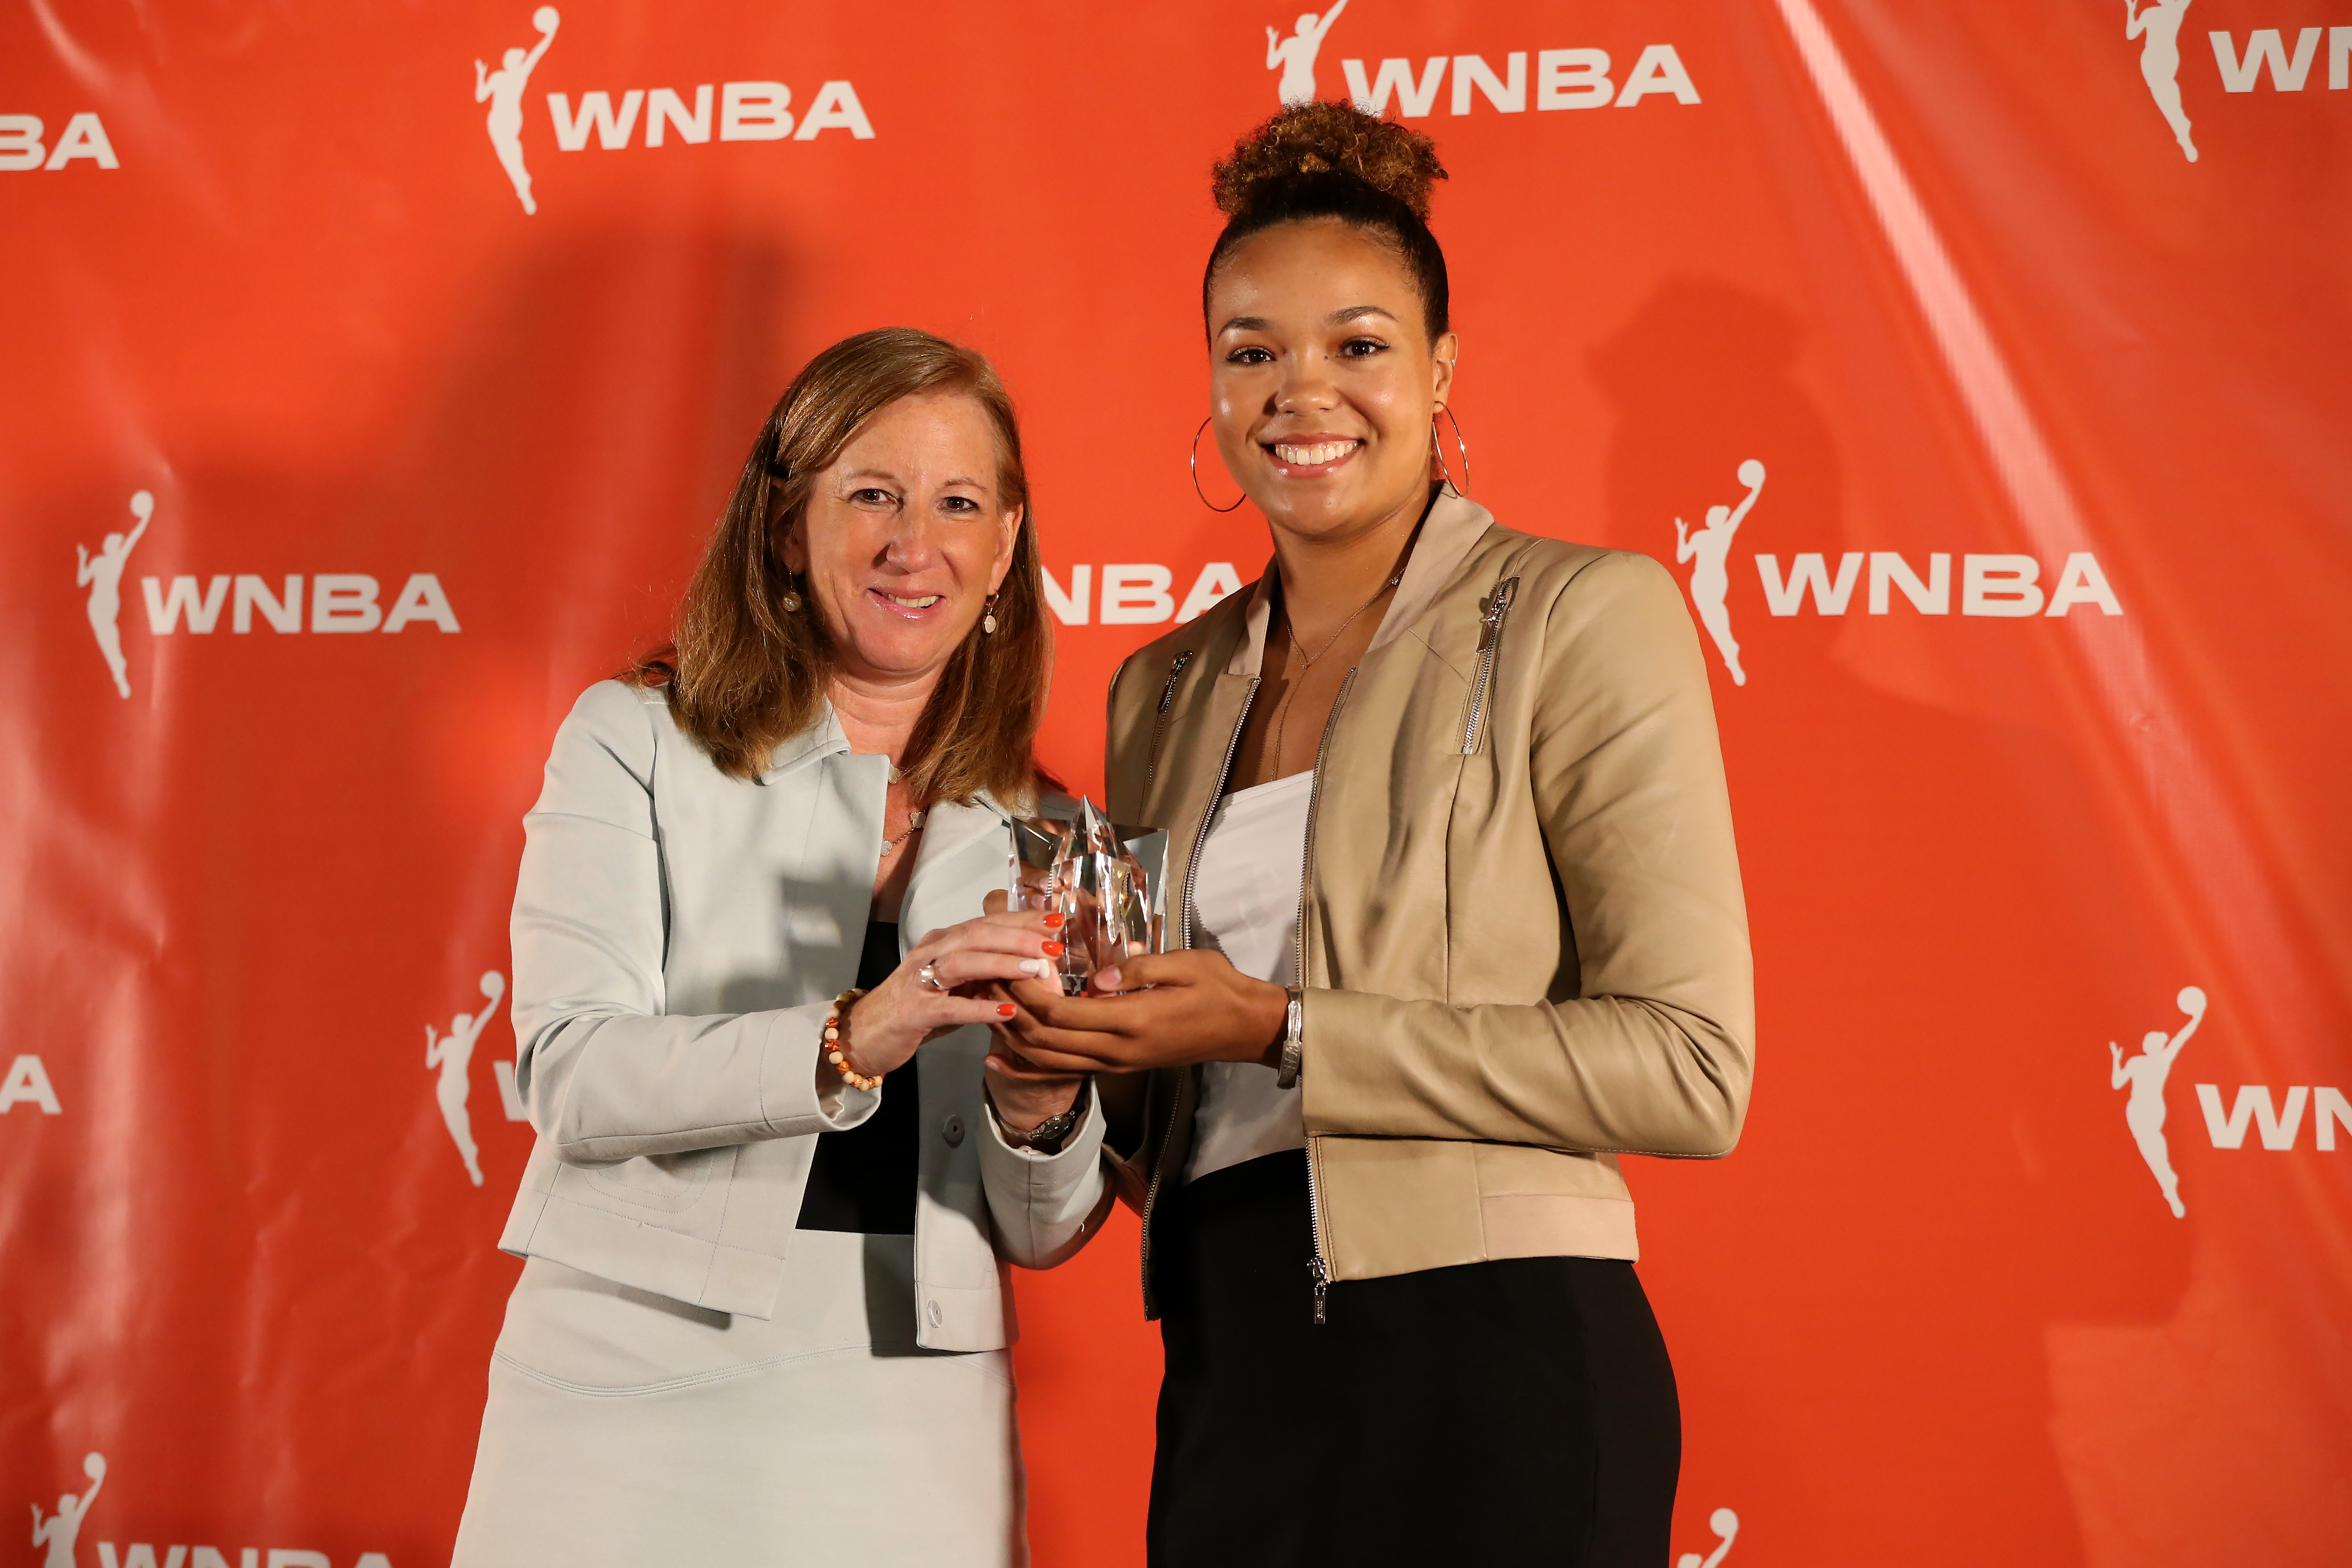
{"x": 678, "y": 937}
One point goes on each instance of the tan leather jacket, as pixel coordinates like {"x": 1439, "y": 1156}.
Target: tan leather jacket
{"x": 1522, "y": 936}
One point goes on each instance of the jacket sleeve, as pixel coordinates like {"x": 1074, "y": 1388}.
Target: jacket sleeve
{"x": 1045, "y": 1207}
{"x": 606, "y": 1074}
{"x": 1654, "y": 1054}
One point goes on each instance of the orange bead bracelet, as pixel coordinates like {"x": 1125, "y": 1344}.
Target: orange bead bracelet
{"x": 833, "y": 1049}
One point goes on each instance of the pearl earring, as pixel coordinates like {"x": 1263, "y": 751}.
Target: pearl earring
{"x": 988, "y": 621}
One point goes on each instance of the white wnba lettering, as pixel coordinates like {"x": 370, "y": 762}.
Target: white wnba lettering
{"x": 666, "y": 108}
{"x": 1785, "y": 598}
{"x": 746, "y": 111}
{"x": 27, "y": 1083}
{"x": 835, "y": 108}
{"x": 163, "y": 611}
{"x": 1565, "y": 78}
{"x": 1413, "y": 98}
{"x": 1136, "y": 593}
{"x": 2001, "y": 586}
{"x": 755, "y": 111}
{"x": 140, "y": 1554}
{"x": 340, "y": 602}
{"x": 596, "y": 111}
{"x": 2264, "y": 45}
{"x": 2230, "y": 1131}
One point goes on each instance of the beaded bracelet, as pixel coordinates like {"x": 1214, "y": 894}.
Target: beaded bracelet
{"x": 833, "y": 1051}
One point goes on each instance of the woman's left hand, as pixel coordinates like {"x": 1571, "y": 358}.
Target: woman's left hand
{"x": 1198, "y": 1008}
{"x": 886, "y": 1024}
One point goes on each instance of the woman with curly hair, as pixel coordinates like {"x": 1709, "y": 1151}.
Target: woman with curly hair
{"x": 1460, "y": 922}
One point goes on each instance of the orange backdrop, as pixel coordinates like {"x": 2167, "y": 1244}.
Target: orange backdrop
{"x": 2040, "y": 426}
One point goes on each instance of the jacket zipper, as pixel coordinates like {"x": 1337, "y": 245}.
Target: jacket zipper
{"x": 1317, "y": 1268}
{"x": 1490, "y": 640}
{"x": 1184, "y": 926}
{"x": 1159, "y": 725}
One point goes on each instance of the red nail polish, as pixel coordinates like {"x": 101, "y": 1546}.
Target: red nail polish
{"x": 1054, "y": 921}
{"x": 1053, "y": 950}
{"x": 1004, "y": 1009}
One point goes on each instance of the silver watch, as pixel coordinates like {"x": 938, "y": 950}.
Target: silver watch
{"x": 1048, "y": 1136}
{"x": 1293, "y": 1050}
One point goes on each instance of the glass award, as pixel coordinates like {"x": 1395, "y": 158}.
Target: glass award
{"x": 1103, "y": 879}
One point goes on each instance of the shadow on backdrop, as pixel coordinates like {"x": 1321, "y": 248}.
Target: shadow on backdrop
{"x": 327, "y": 828}
{"x": 1944, "y": 947}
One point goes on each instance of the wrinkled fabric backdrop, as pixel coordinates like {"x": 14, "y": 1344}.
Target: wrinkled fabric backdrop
{"x": 2015, "y": 446}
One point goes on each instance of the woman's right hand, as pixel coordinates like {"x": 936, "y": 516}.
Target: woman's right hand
{"x": 888, "y": 1022}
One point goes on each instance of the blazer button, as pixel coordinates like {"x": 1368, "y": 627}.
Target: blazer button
{"x": 936, "y": 1315}
{"x": 952, "y": 1130}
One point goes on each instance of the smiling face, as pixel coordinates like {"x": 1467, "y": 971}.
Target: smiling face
{"x": 905, "y": 537}
{"x": 1322, "y": 378}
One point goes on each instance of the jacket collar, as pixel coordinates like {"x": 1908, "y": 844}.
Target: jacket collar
{"x": 1453, "y": 528}
{"x": 961, "y": 854}
{"x": 952, "y": 832}
{"x": 825, "y": 738}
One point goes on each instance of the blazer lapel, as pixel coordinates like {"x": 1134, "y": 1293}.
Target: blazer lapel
{"x": 964, "y": 851}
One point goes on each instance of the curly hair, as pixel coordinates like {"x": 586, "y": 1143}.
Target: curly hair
{"x": 1324, "y": 138}
{"x": 1332, "y": 160}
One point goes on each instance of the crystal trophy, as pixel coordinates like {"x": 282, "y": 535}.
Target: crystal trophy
{"x": 1103, "y": 879}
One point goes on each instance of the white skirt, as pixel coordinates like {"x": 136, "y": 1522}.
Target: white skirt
{"x": 626, "y": 1428}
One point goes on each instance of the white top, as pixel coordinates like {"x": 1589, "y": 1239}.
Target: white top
{"x": 1245, "y": 906}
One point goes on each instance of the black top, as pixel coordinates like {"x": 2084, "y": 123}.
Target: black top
{"x": 863, "y": 1179}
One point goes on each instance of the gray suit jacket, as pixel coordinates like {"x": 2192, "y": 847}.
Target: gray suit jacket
{"x": 678, "y": 938}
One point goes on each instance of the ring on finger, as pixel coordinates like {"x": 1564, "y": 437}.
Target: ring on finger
{"x": 929, "y": 977}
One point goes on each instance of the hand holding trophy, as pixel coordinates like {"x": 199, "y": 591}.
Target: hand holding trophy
{"x": 1102, "y": 879}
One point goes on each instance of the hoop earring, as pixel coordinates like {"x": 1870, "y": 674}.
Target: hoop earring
{"x": 1195, "y": 463}
{"x": 1438, "y": 451}
{"x": 988, "y": 620}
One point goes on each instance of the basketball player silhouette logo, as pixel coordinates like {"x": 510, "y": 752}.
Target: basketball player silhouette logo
{"x": 452, "y": 1054}
{"x": 1710, "y": 579}
{"x": 62, "y": 1529}
{"x": 1726, "y": 1525}
{"x": 1295, "y": 56}
{"x": 102, "y": 574}
{"x": 503, "y": 88}
{"x": 2146, "y": 1073}
{"x": 2157, "y": 22}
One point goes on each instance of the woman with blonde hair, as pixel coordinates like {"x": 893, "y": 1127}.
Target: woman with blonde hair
{"x": 763, "y": 1315}
{"x": 1461, "y": 923}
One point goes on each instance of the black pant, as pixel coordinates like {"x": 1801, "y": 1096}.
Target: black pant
{"x": 1521, "y": 1411}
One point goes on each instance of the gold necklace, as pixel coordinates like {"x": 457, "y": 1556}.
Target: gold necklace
{"x": 1282, "y": 714}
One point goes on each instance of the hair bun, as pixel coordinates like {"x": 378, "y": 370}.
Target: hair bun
{"x": 1329, "y": 138}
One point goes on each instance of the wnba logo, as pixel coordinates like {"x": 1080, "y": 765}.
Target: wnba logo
{"x": 60, "y": 1530}
{"x": 2155, "y": 25}
{"x": 744, "y": 111}
{"x": 449, "y": 1057}
{"x": 338, "y": 601}
{"x": 83, "y": 138}
{"x": 1996, "y": 587}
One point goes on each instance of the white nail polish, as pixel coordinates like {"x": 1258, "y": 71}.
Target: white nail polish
{"x": 1033, "y": 966}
